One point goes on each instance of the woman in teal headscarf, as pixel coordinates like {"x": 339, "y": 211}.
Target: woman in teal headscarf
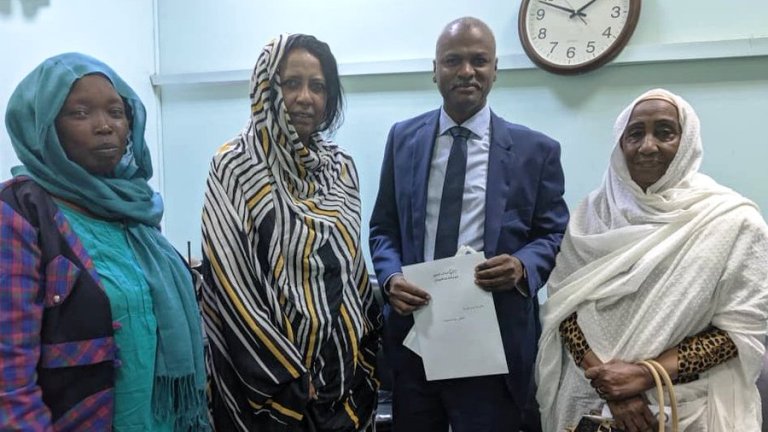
{"x": 99, "y": 325}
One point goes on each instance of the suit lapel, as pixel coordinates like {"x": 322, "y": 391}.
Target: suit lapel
{"x": 422, "y": 145}
{"x": 497, "y": 184}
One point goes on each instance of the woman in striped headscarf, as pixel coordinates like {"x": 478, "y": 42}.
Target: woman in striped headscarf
{"x": 290, "y": 315}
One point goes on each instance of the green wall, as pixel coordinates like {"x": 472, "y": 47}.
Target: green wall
{"x": 716, "y": 57}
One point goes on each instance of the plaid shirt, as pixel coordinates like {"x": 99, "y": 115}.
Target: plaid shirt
{"x": 54, "y": 374}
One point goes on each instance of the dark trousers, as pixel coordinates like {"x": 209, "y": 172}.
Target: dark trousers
{"x": 531, "y": 417}
{"x": 477, "y": 404}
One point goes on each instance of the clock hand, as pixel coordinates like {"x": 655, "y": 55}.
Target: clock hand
{"x": 563, "y": 8}
{"x": 581, "y": 15}
{"x": 581, "y": 9}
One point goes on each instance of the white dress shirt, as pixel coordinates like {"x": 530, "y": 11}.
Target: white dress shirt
{"x": 472, "y": 224}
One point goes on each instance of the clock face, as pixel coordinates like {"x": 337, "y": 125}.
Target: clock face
{"x": 572, "y": 36}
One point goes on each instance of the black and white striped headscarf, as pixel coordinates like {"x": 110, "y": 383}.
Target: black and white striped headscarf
{"x": 281, "y": 231}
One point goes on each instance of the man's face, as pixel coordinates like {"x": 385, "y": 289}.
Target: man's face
{"x": 465, "y": 69}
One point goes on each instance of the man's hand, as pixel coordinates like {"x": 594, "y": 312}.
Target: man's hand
{"x": 633, "y": 415}
{"x": 619, "y": 380}
{"x": 312, "y": 391}
{"x": 500, "y": 273}
{"x": 406, "y": 297}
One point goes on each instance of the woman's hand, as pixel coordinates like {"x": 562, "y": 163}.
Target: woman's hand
{"x": 633, "y": 415}
{"x": 617, "y": 380}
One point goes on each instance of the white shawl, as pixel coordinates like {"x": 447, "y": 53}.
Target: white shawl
{"x": 646, "y": 269}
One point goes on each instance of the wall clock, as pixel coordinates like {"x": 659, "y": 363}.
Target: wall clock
{"x": 575, "y": 36}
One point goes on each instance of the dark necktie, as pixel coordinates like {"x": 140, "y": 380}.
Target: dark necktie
{"x": 447, "y": 235}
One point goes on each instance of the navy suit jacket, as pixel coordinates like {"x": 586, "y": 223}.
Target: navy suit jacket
{"x": 525, "y": 216}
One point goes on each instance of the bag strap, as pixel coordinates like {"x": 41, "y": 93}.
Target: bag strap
{"x": 659, "y": 392}
{"x": 670, "y": 391}
{"x": 661, "y": 379}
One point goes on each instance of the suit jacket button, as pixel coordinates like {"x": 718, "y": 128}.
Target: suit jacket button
{"x": 56, "y": 299}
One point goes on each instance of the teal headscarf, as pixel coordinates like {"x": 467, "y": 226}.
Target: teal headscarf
{"x": 179, "y": 391}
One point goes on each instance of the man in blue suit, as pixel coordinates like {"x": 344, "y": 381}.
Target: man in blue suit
{"x": 461, "y": 175}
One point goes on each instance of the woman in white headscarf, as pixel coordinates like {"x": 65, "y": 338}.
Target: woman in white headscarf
{"x": 660, "y": 262}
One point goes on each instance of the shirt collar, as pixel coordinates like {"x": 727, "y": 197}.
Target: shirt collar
{"x": 477, "y": 124}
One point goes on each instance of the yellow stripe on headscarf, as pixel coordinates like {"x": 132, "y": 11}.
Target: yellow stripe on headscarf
{"x": 257, "y": 107}
{"x": 259, "y": 195}
{"x": 263, "y": 85}
{"x": 347, "y": 238}
{"x": 308, "y": 291}
{"x": 279, "y": 266}
{"x": 351, "y": 414}
{"x": 364, "y": 286}
{"x": 285, "y": 411}
{"x": 279, "y": 408}
{"x": 350, "y": 332}
{"x": 235, "y": 299}
{"x": 333, "y": 213}
{"x": 302, "y": 172}
{"x": 313, "y": 207}
{"x": 224, "y": 148}
{"x": 211, "y": 314}
{"x": 289, "y": 329}
{"x": 265, "y": 140}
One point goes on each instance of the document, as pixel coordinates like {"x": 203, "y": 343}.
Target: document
{"x": 457, "y": 335}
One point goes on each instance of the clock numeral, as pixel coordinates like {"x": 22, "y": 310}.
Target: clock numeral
{"x": 586, "y": 33}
